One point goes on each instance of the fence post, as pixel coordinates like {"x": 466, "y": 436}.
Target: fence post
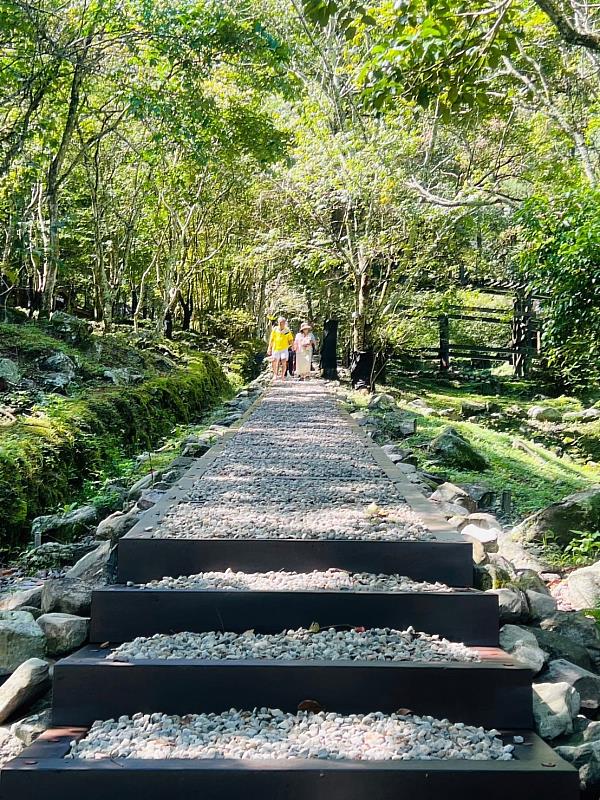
{"x": 444, "y": 326}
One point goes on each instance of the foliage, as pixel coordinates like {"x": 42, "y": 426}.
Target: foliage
{"x": 584, "y": 547}
{"x": 562, "y": 261}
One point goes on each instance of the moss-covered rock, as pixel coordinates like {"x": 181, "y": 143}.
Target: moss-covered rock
{"x": 46, "y": 457}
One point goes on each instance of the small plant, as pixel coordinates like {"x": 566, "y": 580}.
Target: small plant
{"x": 584, "y": 547}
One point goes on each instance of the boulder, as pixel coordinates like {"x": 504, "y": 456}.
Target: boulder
{"x": 196, "y": 447}
{"x": 559, "y": 647}
{"x": 587, "y": 415}
{"x": 577, "y": 628}
{"x": 71, "y": 329}
{"x": 523, "y": 646}
{"x": 488, "y": 537}
{"x": 472, "y": 409}
{"x": 95, "y": 566}
{"x": 529, "y": 580}
{"x": 9, "y": 374}
{"x": 419, "y": 405}
{"x": 586, "y": 758}
{"x": 582, "y": 587}
{"x": 28, "y": 682}
{"x": 150, "y": 497}
{"x": 451, "y": 510}
{"x": 453, "y": 449}
{"x": 382, "y": 402}
{"x": 483, "y": 520}
{"x": 20, "y": 639}
{"x": 67, "y": 526}
{"x": 449, "y": 493}
{"x": 58, "y": 363}
{"x": 577, "y": 512}
{"x": 13, "y": 601}
{"x": 482, "y": 495}
{"x": 540, "y": 605}
{"x": 69, "y": 595}
{"x": 519, "y": 555}
{"x": 511, "y": 604}
{"x": 586, "y": 683}
{"x": 64, "y": 632}
{"x": 118, "y": 524}
{"x": 555, "y": 705}
{"x": 29, "y": 728}
{"x": 544, "y": 414}
{"x": 56, "y": 382}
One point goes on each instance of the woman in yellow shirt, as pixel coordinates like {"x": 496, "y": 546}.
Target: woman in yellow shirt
{"x": 279, "y": 343}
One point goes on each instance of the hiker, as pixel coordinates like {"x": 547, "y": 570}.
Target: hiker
{"x": 281, "y": 339}
{"x": 304, "y": 345}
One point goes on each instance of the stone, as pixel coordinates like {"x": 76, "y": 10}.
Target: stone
{"x": 406, "y": 469}
{"x": 511, "y": 604}
{"x": 558, "y": 646}
{"x": 540, "y": 605}
{"x": 449, "y": 493}
{"x": 452, "y": 510}
{"x": 71, "y": 329}
{"x": 482, "y": 496}
{"x": 582, "y": 587}
{"x": 64, "y": 632}
{"x": 197, "y": 448}
{"x": 58, "y": 363}
{"x": 519, "y": 555}
{"x": 118, "y": 524}
{"x": 94, "y": 566}
{"x": 587, "y": 415}
{"x": 577, "y": 512}
{"x": 487, "y": 536}
{"x": 20, "y": 639}
{"x": 523, "y": 646}
{"x": 586, "y": 758}
{"x": 55, "y": 381}
{"x": 67, "y": 526}
{"x": 453, "y": 449}
{"x": 382, "y": 402}
{"x": 584, "y": 682}
{"x": 472, "y": 409}
{"x": 143, "y": 483}
{"x": 483, "y": 520}
{"x": 149, "y": 498}
{"x": 122, "y": 376}
{"x": 29, "y": 728}
{"x": 68, "y": 595}
{"x": 9, "y": 374}
{"x": 544, "y": 414}
{"x": 555, "y": 705}
{"x": 578, "y": 628}
{"x": 529, "y": 580}
{"x": 28, "y": 682}
{"x": 13, "y": 601}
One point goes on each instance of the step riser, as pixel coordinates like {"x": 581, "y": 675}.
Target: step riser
{"x": 491, "y": 695}
{"x": 142, "y": 559}
{"x": 429, "y": 780}
{"x": 119, "y": 615}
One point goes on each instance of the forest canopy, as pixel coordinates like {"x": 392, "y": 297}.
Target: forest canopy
{"x": 192, "y": 163}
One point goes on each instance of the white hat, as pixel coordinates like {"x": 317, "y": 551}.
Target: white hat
{"x": 306, "y": 325}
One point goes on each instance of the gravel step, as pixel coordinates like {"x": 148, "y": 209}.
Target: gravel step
{"x": 274, "y": 734}
{"x": 376, "y": 644}
{"x": 282, "y": 581}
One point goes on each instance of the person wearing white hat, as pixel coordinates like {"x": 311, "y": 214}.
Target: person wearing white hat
{"x": 304, "y": 344}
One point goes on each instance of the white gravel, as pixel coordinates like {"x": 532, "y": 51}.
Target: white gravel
{"x": 295, "y": 470}
{"x": 329, "y": 644}
{"x": 274, "y": 734}
{"x": 336, "y": 580}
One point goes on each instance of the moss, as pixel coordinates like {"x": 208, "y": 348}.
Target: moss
{"x": 46, "y": 457}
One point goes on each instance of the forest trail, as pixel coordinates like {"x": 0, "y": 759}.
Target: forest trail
{"x": 294, "y": 520}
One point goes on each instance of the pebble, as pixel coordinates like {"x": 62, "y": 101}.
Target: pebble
{"x": 273, "y": 734}
{"x": 329, "y": 644}
{"x": 280, "y": 581}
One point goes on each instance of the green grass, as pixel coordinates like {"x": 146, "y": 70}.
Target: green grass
{"x": 535, "y": 480}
